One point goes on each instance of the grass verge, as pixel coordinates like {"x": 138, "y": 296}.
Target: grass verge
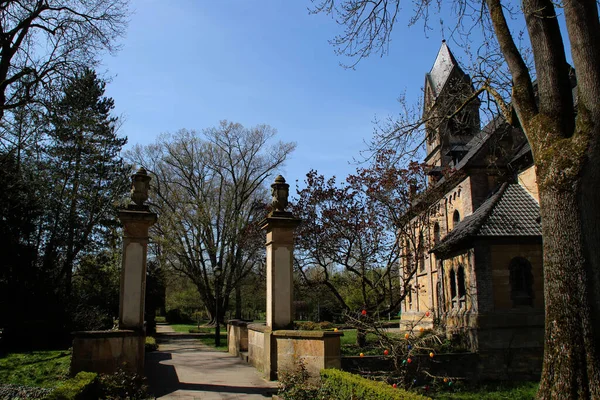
{"x": 209, "y": 339}
{"x": 492, "y": 391}
{"x": 37, "y": 368}
{"x": 349, "y": 347}
{"x": 185, "y": 328}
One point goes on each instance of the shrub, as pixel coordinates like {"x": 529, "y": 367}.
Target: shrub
{"x": 90, "y": 318}
{"x": 160, "y": 319}
{"x": 344, "y": 385}
{"x": 325, "y": 325}
{"x": 150, "y": 344}
{"x": 80, "y": 387}
{"x": 313, "y": 326}
{"x": 297, "y": 385}
{"x": 176, "y": 316}
{"x": 306, "y": 326}
{"x": 122, "y": 385}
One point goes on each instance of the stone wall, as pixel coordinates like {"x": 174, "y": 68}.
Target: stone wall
{"x": 501, "y": 256}
{"x": 511, "y": 330}
{"x": 414, "y": 320}
{"x": 511, "y": 364}
{"x": 256, "y": 346}
{"x": 467, "y": 303}
{"x": 488, "y": 365}
{"x": 107, "y": 351}
{"x": 459, "y": 198}
{"x": 490, "y": 321}
{"x": 317, "y": 350}
{"x": 237, "y": 336}
{"x": 528, "y": 179}
{"x": 273, "y": 352}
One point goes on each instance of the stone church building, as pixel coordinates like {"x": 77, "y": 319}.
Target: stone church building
{"x": 477, "y": 245}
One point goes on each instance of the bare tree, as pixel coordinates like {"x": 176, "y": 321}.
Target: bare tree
{"x": 210, "y": 192}
{"x": 43, "y": 41}
{"x": 564, "y": 134}
{"x": 352, "y": 234}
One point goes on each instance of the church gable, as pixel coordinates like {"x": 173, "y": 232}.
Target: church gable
{"x": 447, "y": 87}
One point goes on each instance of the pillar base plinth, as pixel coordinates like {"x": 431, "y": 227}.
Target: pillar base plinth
{"x": 108, "y": 351}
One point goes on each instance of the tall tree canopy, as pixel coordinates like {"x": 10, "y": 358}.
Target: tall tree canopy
{"x": 89, "y": 176}
{"x": 43, "y": 42}
{"x": 564, "y": 133}
{"x": 63, "y": 183}
{"x": 209, "y": 189}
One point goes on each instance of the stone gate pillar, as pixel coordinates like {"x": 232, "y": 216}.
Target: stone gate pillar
{"x": 280, "y": 225}
{"x": 275, "y": 348}
{"x": 108, "y": 351}
{"x": 137, "y": 220}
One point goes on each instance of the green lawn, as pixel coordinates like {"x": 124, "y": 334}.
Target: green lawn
{"x": 185, "y": 328}
{"x": 208, "y": 340}
{"x": 349, "y": 347}
{"x": 36, "y": 368}
{"x": 491, "y": 391}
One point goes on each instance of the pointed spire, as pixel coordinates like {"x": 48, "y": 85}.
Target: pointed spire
{"x": 442, "y": 67}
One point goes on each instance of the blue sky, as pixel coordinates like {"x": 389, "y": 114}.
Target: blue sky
{"x": 191, "y": 63}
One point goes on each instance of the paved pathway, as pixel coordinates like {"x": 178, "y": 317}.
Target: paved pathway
{"x": 184, "y": 368}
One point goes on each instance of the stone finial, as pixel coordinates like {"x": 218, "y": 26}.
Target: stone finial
{"x": 280, "y": 191}
{"x": 140, "y": 183}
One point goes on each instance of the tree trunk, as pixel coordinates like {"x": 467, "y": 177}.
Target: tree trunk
{"x": 361, "y": 337}
{"x": 571, "y": 365}
{"x": 238, "y": 302}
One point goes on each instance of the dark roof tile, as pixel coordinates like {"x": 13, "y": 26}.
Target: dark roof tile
{"x": 510, "y": 211}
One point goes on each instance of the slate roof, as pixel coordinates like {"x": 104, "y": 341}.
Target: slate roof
{"x": 509, "y": 212}
{"x": 442, "y": 67}
{"x": 525, "y": 149}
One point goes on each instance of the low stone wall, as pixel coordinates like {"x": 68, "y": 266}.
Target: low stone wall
{"x": 524, "y": 364}
{"x": 315, "y": 349}
{"x": 511, "y": 364}
{"x": 511, "y": 330}
{"x": 272, "y": 352}
{"x": 414, "y": 320}
{"x": 256, "y": 346}
{"x": 237, "y": 336}
{"x": 462, "y": 365}
{"x": 107, "y": 351}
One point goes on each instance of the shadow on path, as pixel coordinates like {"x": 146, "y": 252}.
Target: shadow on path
{"x": 185, "y": 368}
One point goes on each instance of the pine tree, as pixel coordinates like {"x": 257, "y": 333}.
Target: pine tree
{"x": 87, "y": 175}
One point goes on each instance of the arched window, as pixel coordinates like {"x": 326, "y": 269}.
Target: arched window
{"x": 453, "y": 288}
{"x": 521, "y": 282}
{"x": 460, "y": 278}
{"x": 421, "y": 250}
{"x": 436, "y": 233}
{"x": 455, "y": 218}
{"x": 460, "y": 282}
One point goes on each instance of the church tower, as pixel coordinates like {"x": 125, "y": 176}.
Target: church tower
{"x": 447, "y": 88}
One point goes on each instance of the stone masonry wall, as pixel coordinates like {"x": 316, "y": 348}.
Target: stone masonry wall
{"x": 256, "y": 350}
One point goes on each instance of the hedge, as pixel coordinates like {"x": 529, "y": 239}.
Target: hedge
{"x": 344, "y": 385}
{"x": 150, "y": 344}
{"x": 80, "y": 387}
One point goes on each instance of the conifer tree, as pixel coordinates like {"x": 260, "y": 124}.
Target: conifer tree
{"x": 87, "y": 175}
